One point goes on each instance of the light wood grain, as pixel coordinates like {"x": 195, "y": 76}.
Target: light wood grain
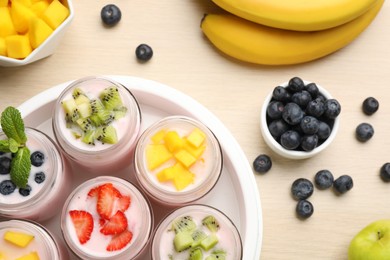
{"x": 234, "y": 91}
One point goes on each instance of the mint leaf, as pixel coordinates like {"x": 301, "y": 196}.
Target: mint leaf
{"x": 21, "y": 167}
{"x": 4, "y": 146}
{"x": 13, "y": 145}
{"x": 12, "y": 125}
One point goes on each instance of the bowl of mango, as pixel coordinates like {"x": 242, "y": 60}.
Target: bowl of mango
{"x": 31, "y": 30}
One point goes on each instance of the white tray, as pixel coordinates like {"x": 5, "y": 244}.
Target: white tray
{"x": 236, "y": 192}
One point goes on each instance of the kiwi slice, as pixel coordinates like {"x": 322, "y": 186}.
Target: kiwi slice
{"x": 110, "y": 98}
{"x": 106, "y": 134}
{"x": 195, "y": 254}
{"x": 99, "y": 114}
{"x": 198, "y": 235}
{"x": 183, "y": 224}
{"x": 209, "y": 242}
{"x": 71, "y": 111}
{"x": 217, "y": 254}
{"x": 89, "y": 137}
{"x": 211, "y": 223}
{"x": 182, "y": 241}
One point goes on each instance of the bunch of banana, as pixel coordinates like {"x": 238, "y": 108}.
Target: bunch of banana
{"x": 290, "y": 32}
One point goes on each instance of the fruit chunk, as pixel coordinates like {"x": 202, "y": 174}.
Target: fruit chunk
{"x": 39, "y": 32}
{"x": 18, "y": 46}
{"x": 21, "y": 16}
{"x": 39, "y": 7}
{"x": 55, "y": 14}
{"x": 110, "y": 98}
{"x": 196, "y": 137}
{"x": 107, "y": 135}
{"x": 185, "y": 158}
{"x": 182, "y": 241}
{"x": 173, "y": 141}
{"x": 6, "y": 25}
{"x": 209, "y": 242}
{"x": 211, "y": 223}
{"x": 183, "y": 224}
{"x": 31, "y": 256}
{"x": 106, "y": 198}
{"x": 120, "y": 241}
{"x": 83, "y": 224}
{"x": 18, "y": 238}
{"x": 195, "y": 254}
{"x": 157, "y": 154}
{"x": 159, "y": 136}
{"x": 183, "y": 177}
{"x": 115, "y": 225}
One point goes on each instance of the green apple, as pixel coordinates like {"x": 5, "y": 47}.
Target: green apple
{"x": 372, "y": 242}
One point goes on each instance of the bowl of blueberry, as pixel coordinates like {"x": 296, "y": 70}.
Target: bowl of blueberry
{"x": 299, "y": 119}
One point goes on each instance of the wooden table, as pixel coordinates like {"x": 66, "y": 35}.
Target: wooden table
{"x": 234, "y": 92}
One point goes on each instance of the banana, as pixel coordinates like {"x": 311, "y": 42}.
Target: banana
{"x": 298, "y": 15}
{"x": 255, "y": 43}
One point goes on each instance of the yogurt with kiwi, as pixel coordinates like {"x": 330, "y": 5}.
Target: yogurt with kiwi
{"x": 178, "y": 160}
{"x": 96, "y": 123}
{"x": 197, "y": 232}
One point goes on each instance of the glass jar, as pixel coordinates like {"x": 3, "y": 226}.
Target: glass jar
{"x": 44, "y": 244}
{"x": 98, "y": 245}
{"x": 48, "y": 184}
{"x": 185, "y": 146}
{"x": 86, "y": 142}
{"x": 227, "y": 235}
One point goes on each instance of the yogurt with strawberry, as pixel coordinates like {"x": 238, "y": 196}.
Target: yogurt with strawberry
{"x": 106, "y": 217}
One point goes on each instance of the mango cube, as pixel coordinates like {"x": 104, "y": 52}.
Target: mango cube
{"x": 3, "y": 47}
{"x": 18, "y": 46}
{"x": 21, "y": 16}
{"x": 157, "y": 154}
{"x": 26, "y": 3}
{"x": 173, "y": 141}
{"x": 183, "y": 177}
{"x": 39, "y": 32}
{"x": 18, "y": 238}
{"x": 3, "y": 3}
{"x": 195, "y": 151}
{"x": 159, "y": 136}
{"x": 31, "y": 256}
{"x": 185, "y": 158}
{"x": 55, "y": 14}
{"x": 39, "y": 7}
{"x": 196, "y": 137}
{"x": 166, "y": 174}
{"x": 6, "y": 25}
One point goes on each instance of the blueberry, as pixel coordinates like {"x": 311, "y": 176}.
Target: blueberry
{"x": 309, "y": 142}
{"x": 275, "y": 109}
{"x": 5, "y": 165}
{"x": 385, "y": 172}
{"x": 110, "y": 14}
{"x": 343, "y": 184}
{"x": 290, "y": 139}
{"x": 143, "y": 52}
{"x": 312, "y": 89}
{"x": 370, "y": 105}
{"x": 315, "y": 108}
{"x": 277, "y": 128}
{"x": 304, "y": 209}
{"x": 25, "y": 191}
{"x": 295, "y": 84}
{"x": 39, "y": 177}
{"x": 302, "y": 189}
{"x": 281, "y": 94}
{"x": 332, "y": 108}
{"x": 262, "y": 163}
{"x": 323, "y": 130}
{"x": 301, "y": 98}
{"x": 37, "y": 158}
{"x": 323, "y": 179}
{"x": 292, "y": 113}
{"x": 7, "y": 187}
{"x": 364, "y": 132}
{"x": 309, "y": 125}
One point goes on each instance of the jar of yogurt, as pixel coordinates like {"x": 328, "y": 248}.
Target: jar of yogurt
{"x": 22, "y": 238}
{"x": 48, "y": 183}
{"x": 96, "y": 123}
{"x": 199, "y": 231}
{"x": 178, "y": 160}
{"x": 107, "y": 218}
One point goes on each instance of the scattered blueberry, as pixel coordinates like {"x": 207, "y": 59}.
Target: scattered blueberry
{"x": 309, "y": 125}
{"x": 292, "y": 113}
{"x": 309, "y": 142}
{"x": 304, "y": 209}
{"x": 5, "y": 165}
{"x": 144, "y": 52}
{"x": 110, "y": 14}
{"x": 295, "y": 84}
{"x": 25, "y": 191}
{"x": 323, "y": 130}
{"x": 343, "y": 184}
{"x": 290, "y": 139}
{"x": 275, "y": 109}
{"x": 262, "y": 163}
{"x": 302, "y": 189}
{"x": 370, "y": 105}
{"x": 323, "y": 179}
{"x": 364, "y": 132}
{"x": 7, "y": 187}
{"x": 332, "y": 108}
{"x": 37, "y": 158}
{"x": 385, "y": 172}
{"x": 39, "y": 177}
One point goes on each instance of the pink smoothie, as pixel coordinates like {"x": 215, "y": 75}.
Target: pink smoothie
{"x": 228, "y": 236}
{"x": 138, "y": 215}
{"x": 47, "y": 191}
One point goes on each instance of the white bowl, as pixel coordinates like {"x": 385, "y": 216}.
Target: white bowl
{"x": 294, "y": 154}
{"x": 48, "y": 47}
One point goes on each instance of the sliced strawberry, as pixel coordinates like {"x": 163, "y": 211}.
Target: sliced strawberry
{"x": 115, "y": 225}
{"x": 120, "y": 241}
{"x": 106, "y": 199}
{"x": 83, "y": 223}
{"x": 102, "y": 221}
{"x": 94, "y": 192}
{"x": 124, "y": 203}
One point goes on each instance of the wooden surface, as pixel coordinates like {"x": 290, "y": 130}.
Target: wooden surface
{"x": 234, "y": 91}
